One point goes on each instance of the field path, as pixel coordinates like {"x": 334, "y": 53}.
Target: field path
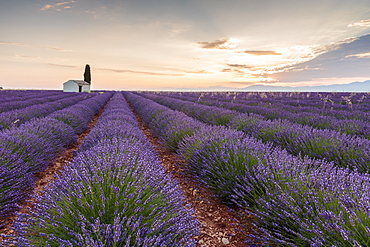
{"x": 218, "y": 223}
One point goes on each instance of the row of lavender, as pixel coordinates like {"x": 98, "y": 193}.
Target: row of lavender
{"x": 11, "y": 95}
{"x": 352, "y": 110}
{"x": 324, "y": 117}
{"x": 344, "y": 150}
{"x": 11, "y": 101}
{"x": 296, "y": 201}
{"x": 348, "y": 122}
{"x": 29, "y": 148}
{"x": 16, "y": 117}
{"x": 319, "y": 100}
{"x": 114, "y": 193}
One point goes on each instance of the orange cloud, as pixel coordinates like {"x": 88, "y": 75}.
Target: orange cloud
{"x": 56, "y": 49}
{"x": 55, "y": 6}
{"x": 47, "y": 6}
{"x": 62, "y": 65}
{"x": 260, "y": 53}
{"x": 217, "y": 44}
{"x": 12, "y": 43}
{"x": 228, "y": 44}
{"x": 140, "y": 72}
{"x": 197, "y": 72}
{"x": 362, "y": 23}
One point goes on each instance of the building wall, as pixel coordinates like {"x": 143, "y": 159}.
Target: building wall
{"x": 86, "y": 88}
{"x": 70, "y": 86}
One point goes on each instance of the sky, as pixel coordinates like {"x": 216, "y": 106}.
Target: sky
{"x": 174, "y": 44}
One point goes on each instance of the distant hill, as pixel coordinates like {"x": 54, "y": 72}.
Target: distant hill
{"x": 213, "y": 88}
{"x": 351, "y": 87}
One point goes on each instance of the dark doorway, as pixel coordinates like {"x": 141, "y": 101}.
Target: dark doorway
{"x": 79, "y": 89}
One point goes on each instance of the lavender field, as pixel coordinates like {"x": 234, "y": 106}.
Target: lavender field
{"x": 293, "y": 166}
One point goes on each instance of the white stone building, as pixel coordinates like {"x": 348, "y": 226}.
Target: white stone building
{"x": 76, "y": 86}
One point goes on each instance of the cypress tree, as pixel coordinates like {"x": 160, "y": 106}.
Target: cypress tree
{"x": 87, "y": 74}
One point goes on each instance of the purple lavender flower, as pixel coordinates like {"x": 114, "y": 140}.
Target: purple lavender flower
{"x": 115, "y": 192}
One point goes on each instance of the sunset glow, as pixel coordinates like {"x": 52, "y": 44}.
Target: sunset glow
{"x": 183, "y": 44}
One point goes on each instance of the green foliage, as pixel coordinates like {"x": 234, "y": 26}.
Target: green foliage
{"x": 175, "y": 136}
{"x": 87, "y": 74}
{"x": 110, "y": 197}
{"x": 304, "y": 214}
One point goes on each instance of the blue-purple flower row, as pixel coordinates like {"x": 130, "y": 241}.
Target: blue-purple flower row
{"x": 344, "y": 150}
{"x": 17, "y": 117}
{"x": 29, "y": 148}
{"x": 296, "y": 201}
{"x": 352, "y": 122}
{"x": 114, "y": 193}
{"x": 305, "y": 101}
{"x": 18, "y": 95}
{"x": 24, "y": 99}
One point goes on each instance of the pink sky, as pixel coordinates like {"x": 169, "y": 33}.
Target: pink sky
{"x": 166, "y": 44}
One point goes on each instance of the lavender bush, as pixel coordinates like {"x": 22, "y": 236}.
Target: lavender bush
{"x": 109, "y": 196}
{"x": 344, "y": 150}
{"x": 15, "y": 184}
{"x": 169, "y": 126}
{"x": 28, "y": 149}
{"x": 297, "y": 200}
{"x": 298, "y": 212}
{"x": 11, "y": 100}
{"x": 16, "y": 117}
{"x": 338, "y": 105}
{"x": 352, "y": 124}
{"x": 115, "y": 193}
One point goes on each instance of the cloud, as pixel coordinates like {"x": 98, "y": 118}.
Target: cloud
{"x": 217, "y": 44}
{"x": 250, "y": 83}
{"x": 362, "y": 23}
{"x": 176, "y": 71}
{"x": 187, "y": 71}
{"x": 243, "y": 70}
{"x": 12, "y": 43}
{"x": 27, "y": 56}
{"x": 57, "y": 6}
{"x": 22, "y": 44}
{"x": 287, "y": 64}
{"x": 47, "y": 6}
{"x": 63, "y": 3}
{"x": 57, "y": 49}
{"x": 342, "y": 61}
{"x": 228, "y": 44}
{"x": 243, "y": 66}
{"x": 227, "y": 70}
{"x": 260, "y": 53}
{"x": 197, "y": 71}
{"x": 221, "y": 44}
{"x": 140, "y": 72}
{"x": 360, "y": 55}
{"x": 62, "y": 65}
